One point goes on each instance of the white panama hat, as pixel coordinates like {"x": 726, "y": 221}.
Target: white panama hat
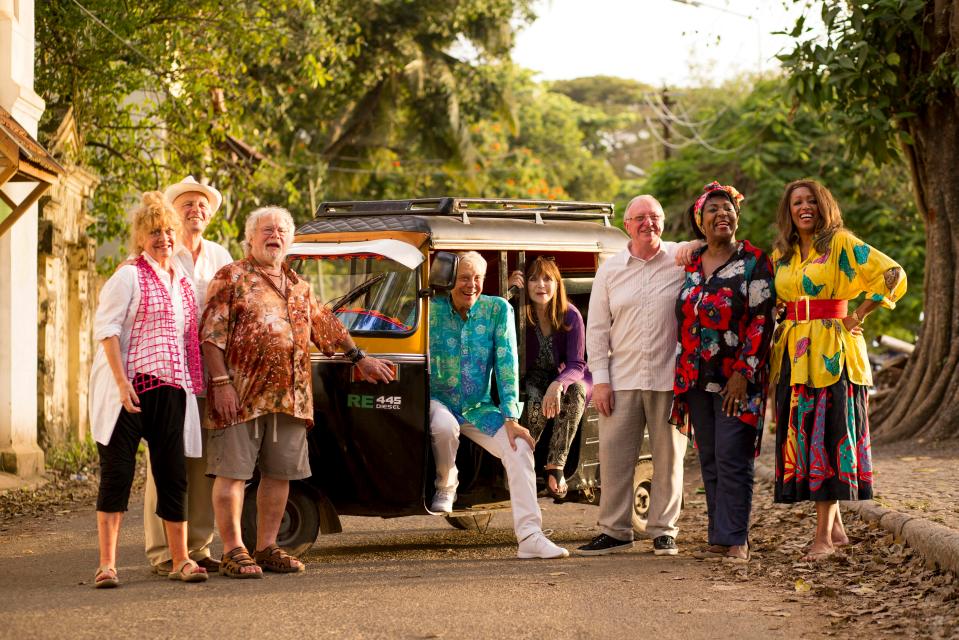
{"x": 189, "y": 184}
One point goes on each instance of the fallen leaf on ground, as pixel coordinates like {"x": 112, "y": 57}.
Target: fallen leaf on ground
{"x": 860, "y": 590}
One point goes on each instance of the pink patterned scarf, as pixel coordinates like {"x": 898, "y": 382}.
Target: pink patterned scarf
{"x": 734, "y": 196}
{"x": 154, "y": 348}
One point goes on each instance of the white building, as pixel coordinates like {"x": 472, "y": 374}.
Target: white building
{"x": 26, "y": 171}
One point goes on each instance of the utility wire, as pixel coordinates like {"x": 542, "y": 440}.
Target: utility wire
{"x": 125, "y": 42}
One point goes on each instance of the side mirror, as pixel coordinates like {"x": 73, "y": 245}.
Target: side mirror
{"x": 443, "y": 271}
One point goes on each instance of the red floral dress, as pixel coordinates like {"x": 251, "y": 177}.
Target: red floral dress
{"x": 725, "y": 326}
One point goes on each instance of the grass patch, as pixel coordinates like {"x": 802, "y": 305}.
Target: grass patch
{"x": 73, "y": 457}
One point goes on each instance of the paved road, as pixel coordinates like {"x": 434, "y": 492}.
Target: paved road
{"x": 404, "y": 578}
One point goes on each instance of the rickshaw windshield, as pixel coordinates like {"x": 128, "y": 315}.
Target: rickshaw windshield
{"x": 370, "y": 293}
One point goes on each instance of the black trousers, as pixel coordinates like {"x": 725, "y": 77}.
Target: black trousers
{"x": 727, "y": 447}
{"x": 160, "y": 423}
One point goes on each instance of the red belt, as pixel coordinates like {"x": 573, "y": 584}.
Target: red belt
{"x": 804, "y": 309}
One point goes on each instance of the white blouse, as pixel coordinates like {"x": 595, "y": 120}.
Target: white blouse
{"x": 119, "y": 301}
{"x": 212, "y": 258}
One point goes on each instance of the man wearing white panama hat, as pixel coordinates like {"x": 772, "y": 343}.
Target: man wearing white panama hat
{"x": 196, "y": 203}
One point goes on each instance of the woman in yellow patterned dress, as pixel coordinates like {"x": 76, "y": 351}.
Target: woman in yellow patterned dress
{"x": 819, "y": 363}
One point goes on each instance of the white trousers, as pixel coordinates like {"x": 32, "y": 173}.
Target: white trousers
{"x": 445, "y": 432}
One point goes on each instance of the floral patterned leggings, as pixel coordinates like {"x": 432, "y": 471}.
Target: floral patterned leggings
{"x": 572, "y": 404}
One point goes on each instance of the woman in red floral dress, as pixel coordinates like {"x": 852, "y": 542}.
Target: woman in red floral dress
{"x": 725, "y": 314}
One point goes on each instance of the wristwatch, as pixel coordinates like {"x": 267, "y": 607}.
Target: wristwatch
{"x": 355, "y": 354}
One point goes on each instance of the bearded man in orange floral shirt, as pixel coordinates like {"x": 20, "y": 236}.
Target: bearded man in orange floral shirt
{"x": 257, "y": 327}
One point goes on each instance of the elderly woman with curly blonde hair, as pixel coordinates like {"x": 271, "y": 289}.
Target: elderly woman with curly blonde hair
{"x": 145, "y": 374}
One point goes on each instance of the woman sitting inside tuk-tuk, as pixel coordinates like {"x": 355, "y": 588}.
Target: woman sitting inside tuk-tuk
{"x": 556, "y": 379}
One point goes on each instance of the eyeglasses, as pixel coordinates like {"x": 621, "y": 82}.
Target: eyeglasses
{"x": 643, "y": 218}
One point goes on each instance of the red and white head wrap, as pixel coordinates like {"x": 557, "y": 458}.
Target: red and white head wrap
{"x": 709, "y": 189}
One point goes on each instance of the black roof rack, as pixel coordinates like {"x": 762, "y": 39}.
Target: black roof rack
{"x": 538, "y": 210}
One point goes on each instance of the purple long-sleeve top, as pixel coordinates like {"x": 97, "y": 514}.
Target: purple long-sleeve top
{"x": 569, "y": 351}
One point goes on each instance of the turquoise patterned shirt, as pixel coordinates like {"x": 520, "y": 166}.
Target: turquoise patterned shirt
{"x": 465, "y": 353}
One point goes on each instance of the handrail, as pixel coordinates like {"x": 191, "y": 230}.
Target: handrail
{"x": 465, "y": 208}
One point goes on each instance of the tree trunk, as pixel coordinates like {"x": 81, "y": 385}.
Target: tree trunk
{"x": 925, "y": 403}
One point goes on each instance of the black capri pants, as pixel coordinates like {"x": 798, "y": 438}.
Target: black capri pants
{"x": 160, "y": 423}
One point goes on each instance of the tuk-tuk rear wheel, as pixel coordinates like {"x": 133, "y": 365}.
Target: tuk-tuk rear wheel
{"x": 300, "y": 524}
{"x": 642, "y": 486}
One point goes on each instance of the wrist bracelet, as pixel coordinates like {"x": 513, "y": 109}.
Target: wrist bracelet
{"x": 861, "y": 319}
{"x": 355, "y": 354}
{"x": 221, "y": 382}
{"x": 219, "y": 378}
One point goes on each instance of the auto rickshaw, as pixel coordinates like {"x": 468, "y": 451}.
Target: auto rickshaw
{"x": 371, "y": 261}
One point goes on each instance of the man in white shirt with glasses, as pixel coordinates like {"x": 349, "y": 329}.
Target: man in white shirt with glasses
{"x": 631, "y": 342}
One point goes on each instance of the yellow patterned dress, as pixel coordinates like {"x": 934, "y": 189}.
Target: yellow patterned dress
{"x": 821, "y": 372}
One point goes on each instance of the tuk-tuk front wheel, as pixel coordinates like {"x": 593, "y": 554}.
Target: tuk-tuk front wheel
{"x": 300, "y": 524}
{"x": 642, "y": 486}
{"x": 479, "y": 522}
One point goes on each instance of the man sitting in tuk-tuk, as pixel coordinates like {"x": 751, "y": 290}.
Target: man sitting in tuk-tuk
{"x": 471, "y": 337}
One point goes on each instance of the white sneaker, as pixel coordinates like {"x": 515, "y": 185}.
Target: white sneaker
{"x": 539, "y": 546}
{"x": 443, "y": 501}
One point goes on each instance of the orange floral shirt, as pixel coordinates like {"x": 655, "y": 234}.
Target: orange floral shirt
{"x": 266, "y": 340}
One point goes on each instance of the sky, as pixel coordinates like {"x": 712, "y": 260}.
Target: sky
{"x": 659, "y": 42}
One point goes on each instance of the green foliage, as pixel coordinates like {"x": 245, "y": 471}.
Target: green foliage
{"x": 73, "y": 457}
{"x": 606, "y": 91}
{"x": 557, "y": 142}
{"x": 337, "y": 96}
{"x": 761, "y": 143}
{"x": 875, "y": 69}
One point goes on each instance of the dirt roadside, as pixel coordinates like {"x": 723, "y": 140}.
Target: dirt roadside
{"x": 878, "y": 585}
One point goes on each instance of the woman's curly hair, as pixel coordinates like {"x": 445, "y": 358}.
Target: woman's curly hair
{"x": 154, "y": 213}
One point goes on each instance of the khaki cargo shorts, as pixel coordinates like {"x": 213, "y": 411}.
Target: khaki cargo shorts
{"x": 276, "y": 443}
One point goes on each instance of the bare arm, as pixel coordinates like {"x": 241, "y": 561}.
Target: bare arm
{"x": 226, "y": 402}
{"x": 853, "y": 322}
{"x": 684, "y": 254}
{"x": 128, "y": 396}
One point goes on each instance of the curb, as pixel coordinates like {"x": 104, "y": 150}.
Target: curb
{"x": 937, "y": 544}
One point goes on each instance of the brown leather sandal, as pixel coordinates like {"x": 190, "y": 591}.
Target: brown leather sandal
{"x": 234, "y": 561}
{"x": 276, "y": 559}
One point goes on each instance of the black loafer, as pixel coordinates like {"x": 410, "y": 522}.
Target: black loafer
{"x": 603, "y": 544}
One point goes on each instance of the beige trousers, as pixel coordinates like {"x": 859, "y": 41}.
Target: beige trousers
{"x": 199, "y": 500}
{"x": 620, "y": 441}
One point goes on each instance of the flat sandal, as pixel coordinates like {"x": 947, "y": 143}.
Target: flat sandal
{"x": 106, "y": 578}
